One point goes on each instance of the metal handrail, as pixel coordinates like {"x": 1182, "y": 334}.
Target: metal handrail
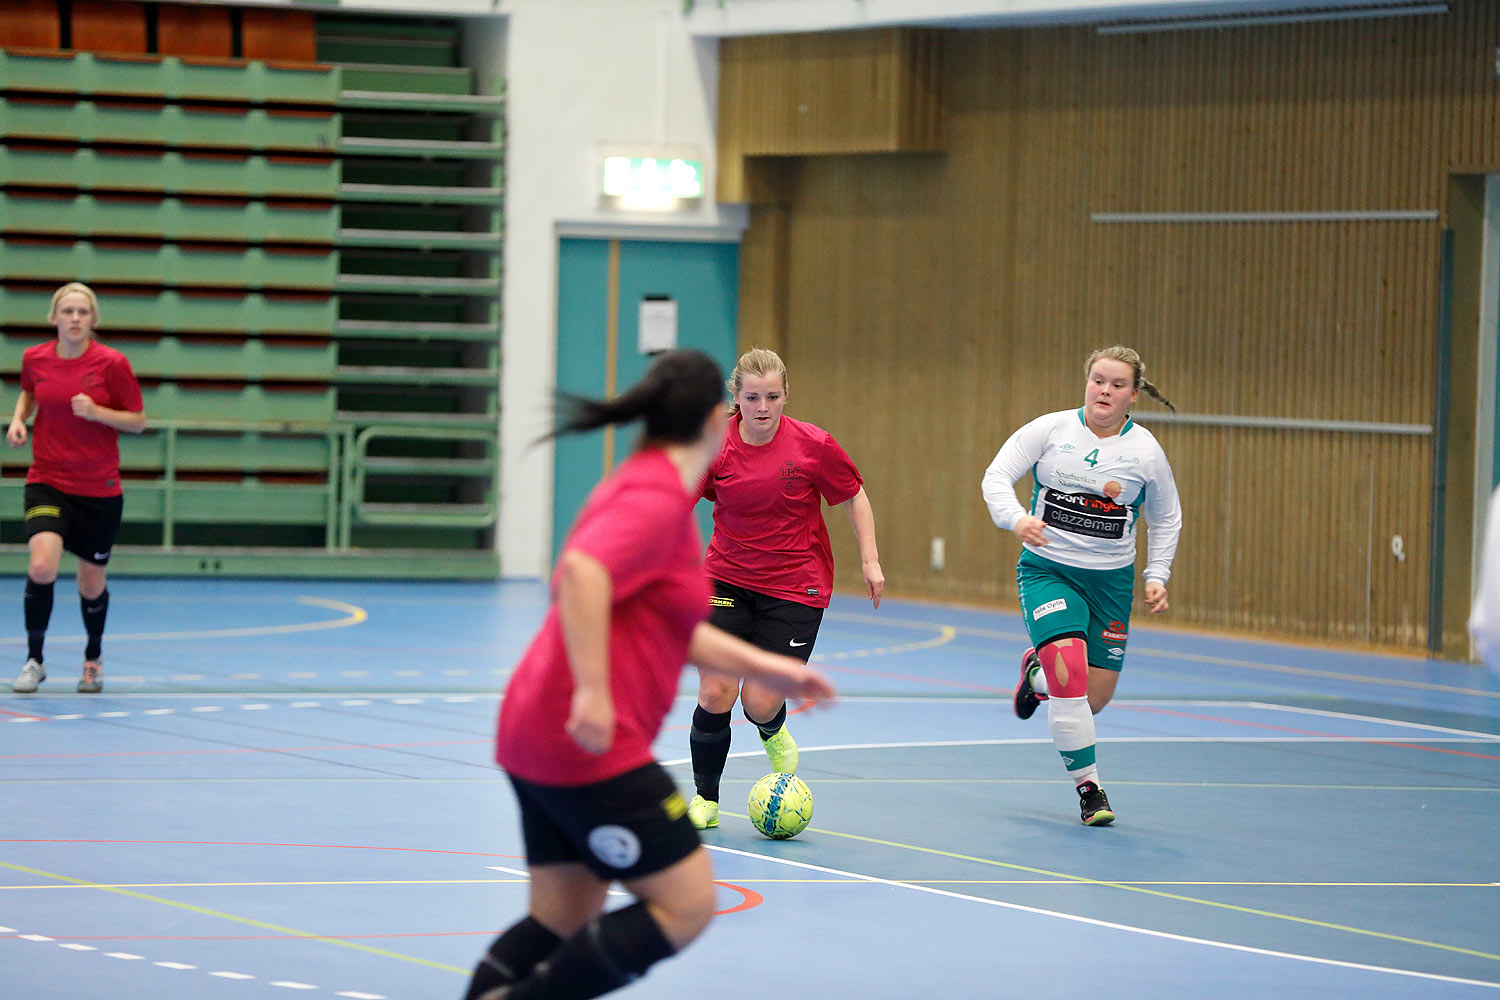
{"x": 348, "y": 444}
{"x": 353, "y": 507}
{"x": 333, "y": 434}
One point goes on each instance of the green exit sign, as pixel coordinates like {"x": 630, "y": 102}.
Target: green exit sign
{"x": 650, "y": 177}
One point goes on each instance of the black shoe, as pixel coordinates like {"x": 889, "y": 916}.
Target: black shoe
{"x": 1026, "y": 699}
{"x": 1093, "y": 805}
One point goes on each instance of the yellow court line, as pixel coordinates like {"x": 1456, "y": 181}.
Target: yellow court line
{"x": 353, "y": 615}
{"x": 1128, "y": 887}
{"x": 247, "y": 921}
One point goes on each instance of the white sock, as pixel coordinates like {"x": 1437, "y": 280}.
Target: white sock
{"x": 1071, "y": 723}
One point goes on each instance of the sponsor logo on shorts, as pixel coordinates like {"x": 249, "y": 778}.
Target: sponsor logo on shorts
{"x": 674, "y": 805}
{"x": 101, "y": 556}
{"x": 1046, "y": 609}
{"x": 43, "y": 510}
{"x": 1115, "y": 652}
{"x": 1114, "y": 636}
{"x": 794, "y": 643}
{"x": 721, "y": 602}
{"x": 615, "y": 846}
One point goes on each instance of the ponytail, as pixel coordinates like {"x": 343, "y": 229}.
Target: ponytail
{"x": 674, "y": 397}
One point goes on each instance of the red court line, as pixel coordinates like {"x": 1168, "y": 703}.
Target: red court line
{"x": 751, "y": 899}
{"x": 228, "y": 750}
{"x": 24, "y": 715}
{"x": 1306, "y": 732}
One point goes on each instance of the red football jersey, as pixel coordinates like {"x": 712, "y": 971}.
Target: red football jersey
{"x": 68, "y": 453}
{"x": 639, "y": 523}
{"x": 769, "y": 535}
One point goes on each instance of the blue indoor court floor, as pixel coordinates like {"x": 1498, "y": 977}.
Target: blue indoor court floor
{"x": 286, "y": 788}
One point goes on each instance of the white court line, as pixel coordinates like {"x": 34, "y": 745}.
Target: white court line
{"x": 1271, "y": 706}
{"x": 1236, "y": 740}
{"x": 1128, "y": 928}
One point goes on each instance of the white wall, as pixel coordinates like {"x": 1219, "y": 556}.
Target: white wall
{"x": 581, "y": 73}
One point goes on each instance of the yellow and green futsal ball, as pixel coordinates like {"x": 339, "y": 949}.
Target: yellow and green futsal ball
{"x": 781, "y": 805}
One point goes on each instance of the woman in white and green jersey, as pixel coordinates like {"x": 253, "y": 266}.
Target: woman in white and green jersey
{"x": 1096, "y": 473}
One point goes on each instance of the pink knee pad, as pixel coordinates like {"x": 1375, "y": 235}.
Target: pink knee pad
{"x": 1066, "y": 664}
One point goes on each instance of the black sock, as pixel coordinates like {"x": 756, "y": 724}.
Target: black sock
{"x": 769, "y": 729}
{"x": 93, "y": 622}
{"x": 612, "y": 951}
{"x": 512, "y": 956}
{"x": 709, "y": 744}
{"x": 37, "y": 606}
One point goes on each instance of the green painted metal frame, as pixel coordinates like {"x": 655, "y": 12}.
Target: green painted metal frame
{"x": 344, "y": 483}
{"x": 334, "y": 436}
{"x": 172, "y": 77}
{"x": 159, "y": 171}
{"x": 354, "y": 509}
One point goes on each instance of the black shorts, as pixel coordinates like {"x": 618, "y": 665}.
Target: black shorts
{"x": 772, "y": 623}
{"x": 624, "y": 827}
{"x": 88, "y": 525}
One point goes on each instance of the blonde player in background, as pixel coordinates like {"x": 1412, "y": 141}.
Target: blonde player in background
{"x": 83, "y": 395}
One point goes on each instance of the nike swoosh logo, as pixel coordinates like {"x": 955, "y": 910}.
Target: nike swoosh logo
{"x": 101, "y": 555}
{"x": 796, "y": 643}
{"x": 720, "y": 479}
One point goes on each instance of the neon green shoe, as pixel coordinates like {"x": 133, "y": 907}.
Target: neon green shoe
{"x": 703, "y": 813}
{"x": 782, "y": 750}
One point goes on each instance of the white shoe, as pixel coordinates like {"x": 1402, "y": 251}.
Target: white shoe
{"x": 31, "y": 675}
{"x": 91, "y": 681}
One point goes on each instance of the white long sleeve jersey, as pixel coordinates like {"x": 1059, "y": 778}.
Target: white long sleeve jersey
{"x": 1090, "y": 492}
{"x": 1484, "y": 623}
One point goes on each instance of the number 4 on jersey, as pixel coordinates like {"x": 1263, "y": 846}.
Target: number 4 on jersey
{"x": 1092, "y": 458}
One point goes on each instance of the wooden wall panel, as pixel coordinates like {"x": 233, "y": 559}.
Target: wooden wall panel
{"x": 31, "y": 24}
{"x": 932, "y": 304}
{"x": 109, "y": 26}
{"x": 194, "y": 31}
{"x": 278, "y": 35}
{"x": 868, "y": 91}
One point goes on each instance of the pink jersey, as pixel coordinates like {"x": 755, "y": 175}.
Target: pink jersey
{"x": 68, "y": 453}
{"x": 769, "y": 534}
{"x": 639, "y": 524}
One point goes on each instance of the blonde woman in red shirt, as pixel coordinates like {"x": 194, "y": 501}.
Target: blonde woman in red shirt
{"x": 587, "y": 700}
{"x": 83, "y": 395}
{"x": 770, "y": 560}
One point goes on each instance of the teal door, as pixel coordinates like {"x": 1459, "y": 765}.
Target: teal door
{"x": 601, "y": 284}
